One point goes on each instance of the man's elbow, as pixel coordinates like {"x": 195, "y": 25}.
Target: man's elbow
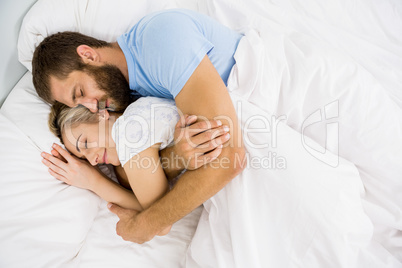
{"x": 237, "y": 161}
{"x": 165, "y": 231}
{"x": 241, "y": 161}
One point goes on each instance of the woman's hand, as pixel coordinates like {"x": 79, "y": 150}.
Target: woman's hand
{"x": 73, "y": 171}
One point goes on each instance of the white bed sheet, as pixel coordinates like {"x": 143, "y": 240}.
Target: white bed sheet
{"x": 243, "y": 224}
{"x": 46, "y": 223}
{"x": 348, "y": 52}
{"x": 103, "y": 248}
{"x": 367, "y": 38}
{"x": 316, "y": 61}
{"x": 43, "y": 222}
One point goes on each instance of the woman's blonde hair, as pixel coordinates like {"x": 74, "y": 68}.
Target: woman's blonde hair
{"x": 61, "y": 117}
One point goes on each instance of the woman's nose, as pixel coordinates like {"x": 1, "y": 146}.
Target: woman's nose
{"x": 91, "y": 156}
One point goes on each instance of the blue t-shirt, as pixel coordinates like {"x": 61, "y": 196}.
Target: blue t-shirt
{"x": 164, "y": 48}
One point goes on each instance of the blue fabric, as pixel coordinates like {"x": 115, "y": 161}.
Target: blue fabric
{"x": 164, "y": 48}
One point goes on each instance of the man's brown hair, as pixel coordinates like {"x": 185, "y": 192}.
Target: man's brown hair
{"x": 57, "y": 56}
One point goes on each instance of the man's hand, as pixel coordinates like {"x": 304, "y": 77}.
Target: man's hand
{"x": 129, "y": 226}
{"x": 196, "y": 143}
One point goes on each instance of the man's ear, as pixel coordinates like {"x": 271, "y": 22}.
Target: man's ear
{"x": 87, "y": 54}
{"x": 103, "y": 114}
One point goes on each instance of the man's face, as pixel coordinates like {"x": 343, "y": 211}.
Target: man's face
{"x": 97, "y": 87}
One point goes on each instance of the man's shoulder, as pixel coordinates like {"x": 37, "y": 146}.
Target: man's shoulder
{"x": 164, "y": 18}
{"x": 168, "y": 15}
{"x": 164, "y": 22}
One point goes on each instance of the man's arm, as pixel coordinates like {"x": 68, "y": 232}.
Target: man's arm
{"x": 206, "y": 95}
{"x": 196, "y": 144}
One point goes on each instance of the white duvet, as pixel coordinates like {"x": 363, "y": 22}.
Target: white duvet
{"x": 330, "y": 73}
{"x": 310, "y": 213}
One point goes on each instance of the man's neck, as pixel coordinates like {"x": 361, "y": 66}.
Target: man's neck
{"x": 114, "y": 55}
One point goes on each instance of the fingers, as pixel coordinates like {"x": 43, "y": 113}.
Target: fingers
{"x": 212, "y": 155}
{"x": 52, "y": 159}
{"x": 191, "y": 120}
{"x": 57, "y": 176}
{"x": 211, "y": 145}
{"x": 182, "y": 121}
{"x": 116, "y": 209}
{"x": 215, "y": 136}
{"x": 56, "y": 154}
{"x": 202, "y": 159}
{"x": 202, "y": 126}
{"x": 53, "y": 167}
{"x": 122, "y": 212}
{"x": 67, "y": 156}
{"x": 209, "y": 151}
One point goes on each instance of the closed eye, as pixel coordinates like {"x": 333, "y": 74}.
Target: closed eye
{"x": 86, "y": 144}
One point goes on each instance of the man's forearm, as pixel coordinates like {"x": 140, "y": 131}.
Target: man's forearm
{"x": 203, "y": 94}
{"x": 193, "y": 189}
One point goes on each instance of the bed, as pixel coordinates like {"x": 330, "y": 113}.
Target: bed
{"x": 333, "y": 72}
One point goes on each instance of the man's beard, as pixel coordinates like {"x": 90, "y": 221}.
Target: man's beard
{"x": 112, "y": 81}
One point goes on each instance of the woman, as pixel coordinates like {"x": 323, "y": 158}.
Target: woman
{"x": 130, "y": 141}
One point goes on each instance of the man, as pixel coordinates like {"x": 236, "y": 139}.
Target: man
{"x": 176, "y": 54}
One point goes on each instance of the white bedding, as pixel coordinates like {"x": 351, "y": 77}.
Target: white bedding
{"x": 52, "y": 224}
{"x": 342, "y": 52}
{"x": 324, "y": 223}
{"x": 43, "y": 222}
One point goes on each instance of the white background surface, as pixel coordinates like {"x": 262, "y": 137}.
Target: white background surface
{"x": 11, "y": 15}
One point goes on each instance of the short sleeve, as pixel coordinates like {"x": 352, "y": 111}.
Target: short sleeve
{"x": 171, "y": 46}
{"x": 145, "y": 122}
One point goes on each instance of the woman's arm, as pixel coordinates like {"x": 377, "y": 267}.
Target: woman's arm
{"x": 80, "y": 173}
{"x": 147, "y": 178}
{"x": 109, "y": 190}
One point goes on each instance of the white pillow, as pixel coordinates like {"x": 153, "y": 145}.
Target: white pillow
{"x": 29, "y": 113}
{"x": 36, "y": 209}
{"x": 101, "y": 19}
{"x": 46, "y": 18}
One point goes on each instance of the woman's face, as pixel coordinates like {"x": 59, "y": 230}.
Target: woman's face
{"x": 92, "y": 141}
